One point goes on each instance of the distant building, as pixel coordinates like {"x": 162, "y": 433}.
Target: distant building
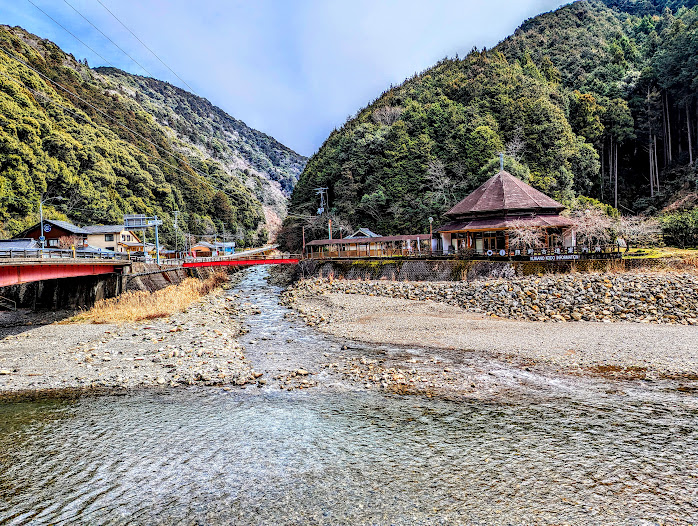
{"x": 204, "y": 249}
{"x": 382, "y": 246}
{"x": 482, "y": 221}
{"x": 54, "y": 230}
{"x": 112, "y": 237}
{"x": 363, "y": 232}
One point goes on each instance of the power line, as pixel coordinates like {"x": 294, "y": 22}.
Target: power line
{"x": 110, "y": 40}
{"x": 145, "y": 46}
{"x": 158, "y": 159}
{"x": 71, "y": 33}
{"x": 9, "y": 54}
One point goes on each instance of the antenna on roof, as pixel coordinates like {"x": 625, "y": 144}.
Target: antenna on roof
{"x": 501, "y": 162}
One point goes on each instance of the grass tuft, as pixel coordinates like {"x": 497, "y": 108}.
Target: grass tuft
{"x": 142, "y": 305}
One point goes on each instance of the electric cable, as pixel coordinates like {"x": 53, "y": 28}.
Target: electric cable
{"x": 145, "y": 46}
{"x": 71, "y": 33}
{"x": 107, "y": 37}
{"x": 11, "y": 55}
{"x": 76, "y": 114}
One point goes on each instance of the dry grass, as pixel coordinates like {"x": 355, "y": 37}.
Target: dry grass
{"x": 140, "y": 305}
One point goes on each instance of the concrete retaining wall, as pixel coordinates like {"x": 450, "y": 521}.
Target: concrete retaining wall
{"x": 67, "y": 293}
{"x": 463, "y": 270}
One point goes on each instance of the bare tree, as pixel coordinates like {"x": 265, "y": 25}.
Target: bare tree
{"x": 516, "y": 145}
{"x": 523, "y": 235}
{"x": 592, "y": 227}
{"x": 441, "y": 186}
{"x": 387, "y": 115}
{"x": 639, "y": 230}
{"x": 69, "y": 242}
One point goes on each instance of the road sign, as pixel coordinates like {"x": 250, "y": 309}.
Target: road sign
{"x": 42, "y": 238}
{"x": 47, "y": 228}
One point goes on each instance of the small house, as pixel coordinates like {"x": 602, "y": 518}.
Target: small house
{"x": 112, "y": 237}
{"x": 57, "y": 234}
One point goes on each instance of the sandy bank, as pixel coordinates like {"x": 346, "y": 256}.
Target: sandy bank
{"x": 622, "y": 348}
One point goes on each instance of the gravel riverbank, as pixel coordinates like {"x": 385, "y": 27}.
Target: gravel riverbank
{"x": 198, "y": 346}
{"x": 660, "y": 297}
{"x": 374, "y": 312}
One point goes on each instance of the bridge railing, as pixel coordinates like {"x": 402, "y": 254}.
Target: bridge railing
{"x": 54, "y": 253}
{"x": 251, "y": 257}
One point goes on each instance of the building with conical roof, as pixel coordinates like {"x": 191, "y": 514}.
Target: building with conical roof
{"x": 483, "y": 222}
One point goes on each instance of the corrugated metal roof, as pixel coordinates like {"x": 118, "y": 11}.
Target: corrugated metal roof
{"x": 504, "y": 192}
{"x": 18, "y": 244}
{"x": 365, "y": 240}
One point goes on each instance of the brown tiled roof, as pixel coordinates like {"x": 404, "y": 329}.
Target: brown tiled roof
{"x": 366, "y": 240}
{"x": 504, "y": 192}
{"x": 498, "y": 223}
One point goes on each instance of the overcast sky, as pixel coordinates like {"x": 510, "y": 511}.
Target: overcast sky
{"x": 292, "y": 69}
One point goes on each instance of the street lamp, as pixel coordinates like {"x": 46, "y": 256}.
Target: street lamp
{"x": 42, "y": 237}
{"x": 431, "y": 220}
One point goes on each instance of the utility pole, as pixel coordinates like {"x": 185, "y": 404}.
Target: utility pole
{"x": 176, "y": 214}
{"x": 42, "y": 237}
{"x": 157, "y": 242}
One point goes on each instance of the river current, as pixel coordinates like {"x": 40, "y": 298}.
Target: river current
{"x": 560, "y": 452}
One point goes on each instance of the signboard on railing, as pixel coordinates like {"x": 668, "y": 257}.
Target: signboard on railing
{"x": 555, "y": 257}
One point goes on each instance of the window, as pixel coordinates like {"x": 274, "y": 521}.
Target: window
{"x": 110, "y": 248}
{"x": 108, "y": 237}
{"x": 123, "y": 237}
{"x": 53, "y": 242}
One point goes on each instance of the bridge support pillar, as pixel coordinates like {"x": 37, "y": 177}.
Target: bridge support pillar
{"x": 65, "y": 293}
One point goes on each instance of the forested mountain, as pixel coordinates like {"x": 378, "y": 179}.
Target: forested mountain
{"x": 113, "y": 143}
{"x": 595, "y": 99}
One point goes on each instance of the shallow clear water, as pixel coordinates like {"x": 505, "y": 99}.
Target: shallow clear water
{"x": 568, "y": 453}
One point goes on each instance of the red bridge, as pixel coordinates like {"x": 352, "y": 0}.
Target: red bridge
{"x": 244, "y": 261}
{"x": 27, "y": 266}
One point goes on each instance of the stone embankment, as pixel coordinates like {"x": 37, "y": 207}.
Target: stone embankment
{"x": 637, "y": 297}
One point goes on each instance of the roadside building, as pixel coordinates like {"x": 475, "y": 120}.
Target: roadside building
{"x": 483, "y": 222}
{"x": 204, "y": 249}
{"x": 113, "y": 237}
{"x": 363, "y": 232}
{"x": 379, "y": 246}
{"x": 58, "y": 234}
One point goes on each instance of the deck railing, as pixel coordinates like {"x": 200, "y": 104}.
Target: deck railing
{"x": 534, "y": 254}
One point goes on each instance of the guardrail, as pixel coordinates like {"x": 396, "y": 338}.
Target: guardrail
{"x": 48, "y": 253}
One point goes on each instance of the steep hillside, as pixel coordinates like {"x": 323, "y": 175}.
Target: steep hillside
{"x": 108, "y": 149}
{"x": 265, "y": 165}
{"x": 578, "y": 99}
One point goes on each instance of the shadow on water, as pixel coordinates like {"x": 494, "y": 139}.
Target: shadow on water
{"x": 339, "y": 455}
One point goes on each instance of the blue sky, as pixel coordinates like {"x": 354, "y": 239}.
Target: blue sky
{"x": 292, "y": 69}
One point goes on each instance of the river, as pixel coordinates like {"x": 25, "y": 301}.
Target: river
{"x": 543, "y": 450}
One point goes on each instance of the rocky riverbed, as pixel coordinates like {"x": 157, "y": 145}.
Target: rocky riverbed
{"x": 198, "y": 346}
{"x": 635, "y": 297}
{"x": 378, "y": 313}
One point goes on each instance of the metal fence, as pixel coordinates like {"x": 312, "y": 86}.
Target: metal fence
{"x": 50, "y": 253}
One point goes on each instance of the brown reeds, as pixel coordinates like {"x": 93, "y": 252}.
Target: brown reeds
{"x": 142, "y": 305}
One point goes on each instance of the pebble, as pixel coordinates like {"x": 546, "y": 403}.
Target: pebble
{"x": 663, "y": 298}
